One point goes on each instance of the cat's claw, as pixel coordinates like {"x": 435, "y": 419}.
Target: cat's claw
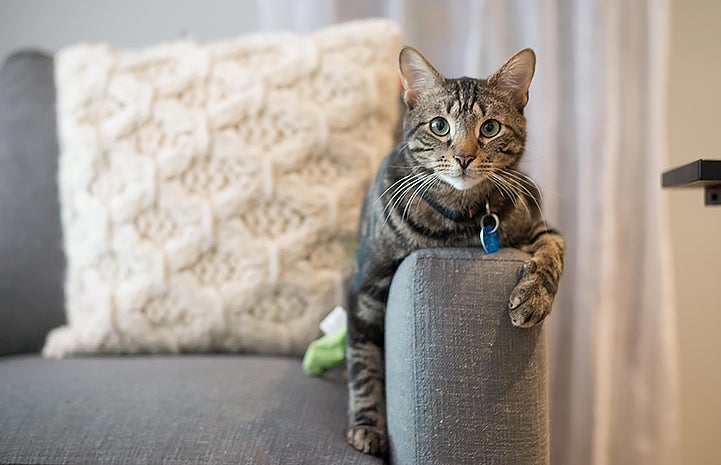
{"x": 368, "y": 439}
{"x": 530, "y": 302}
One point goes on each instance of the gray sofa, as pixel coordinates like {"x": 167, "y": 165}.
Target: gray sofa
{"x": 464, "y": 385}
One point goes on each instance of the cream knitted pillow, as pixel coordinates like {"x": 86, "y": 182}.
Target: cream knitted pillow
{"x": 210, "y": 194}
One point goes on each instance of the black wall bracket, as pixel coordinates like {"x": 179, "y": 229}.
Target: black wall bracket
{"x": 700, "y": 173}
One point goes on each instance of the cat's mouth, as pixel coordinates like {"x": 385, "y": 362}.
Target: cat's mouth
{"x": 463, "y": 180}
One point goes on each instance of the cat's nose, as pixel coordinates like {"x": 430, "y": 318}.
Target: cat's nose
{"x": 463, "y": 160}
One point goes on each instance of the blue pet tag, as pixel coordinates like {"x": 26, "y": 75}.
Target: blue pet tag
{"x": 489, "y": 233}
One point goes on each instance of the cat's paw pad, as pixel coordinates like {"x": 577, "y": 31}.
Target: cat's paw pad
{"x": 368, "y": 439}
{"x": 530, "y": 301}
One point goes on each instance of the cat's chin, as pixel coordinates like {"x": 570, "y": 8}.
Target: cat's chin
{"x": 462, "y": 182}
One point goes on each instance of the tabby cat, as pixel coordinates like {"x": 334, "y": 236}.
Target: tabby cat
{"x": 462, "y": 142}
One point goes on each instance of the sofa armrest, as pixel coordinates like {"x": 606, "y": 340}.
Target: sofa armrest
{"x": 31, "y": 258}
{"x": 463, "y": 385}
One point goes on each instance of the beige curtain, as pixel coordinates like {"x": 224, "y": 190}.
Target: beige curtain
{"x": 596, "y": 142}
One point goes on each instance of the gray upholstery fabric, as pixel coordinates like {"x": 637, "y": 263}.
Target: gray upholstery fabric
{"x": 31, "y": 260}
{"x": 171, "y": 410}
{"x": 464, "y": 386}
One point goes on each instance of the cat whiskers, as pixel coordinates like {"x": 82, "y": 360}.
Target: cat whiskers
{"x": 407, "y": 177}
{"x": 517, "y": 180}
{"x": 402, "y": 187}
{"x": 398, "y": 196}
{"x": 522, "y": 177}
{"x": 515, "y": 195}
{"x": 407, "y": 184}
{"x": 417, "y": 194}
{"x": 503, "y": 188}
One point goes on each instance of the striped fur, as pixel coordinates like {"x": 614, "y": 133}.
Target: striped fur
{"x": 431, "y": 191}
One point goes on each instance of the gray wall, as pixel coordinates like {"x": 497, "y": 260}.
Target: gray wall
{"x": 694, "y": 98}
{"x": 52, "y": 24}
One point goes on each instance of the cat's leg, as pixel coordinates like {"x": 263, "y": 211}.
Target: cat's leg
{"x": 530, "y": 301}
{"x": 367, "y": 431}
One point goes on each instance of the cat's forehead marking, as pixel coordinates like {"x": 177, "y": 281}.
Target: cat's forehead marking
{"x": 463, "y": 95}
{"x": 456, "y": 109}
{"x": 472, "y": 98}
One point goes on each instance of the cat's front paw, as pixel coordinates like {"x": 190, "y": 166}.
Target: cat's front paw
{"x": 368, "y": 439}
{"x": 530, "y": 301}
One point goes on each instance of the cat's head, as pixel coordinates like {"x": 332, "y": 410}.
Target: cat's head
{"x": 465, "y": 129}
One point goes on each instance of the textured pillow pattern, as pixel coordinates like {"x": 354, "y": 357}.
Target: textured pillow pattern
{"x": 210, "y": 194}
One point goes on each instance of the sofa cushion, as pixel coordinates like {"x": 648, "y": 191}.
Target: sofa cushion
{"x": 210, "y": 193}
{"x": 31, "y": 261}
{"x": 171, "y": 410}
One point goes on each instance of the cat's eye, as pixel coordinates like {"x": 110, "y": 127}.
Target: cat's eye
{"x": 490, "y": 128}
{"x": 439, "y": 126}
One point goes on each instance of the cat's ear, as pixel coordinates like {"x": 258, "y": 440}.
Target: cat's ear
{"x": 515, "y": 77}
{"x": 417, "y": 75}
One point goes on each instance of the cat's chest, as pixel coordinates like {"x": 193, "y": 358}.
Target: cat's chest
{"x": 429, "y": 228}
